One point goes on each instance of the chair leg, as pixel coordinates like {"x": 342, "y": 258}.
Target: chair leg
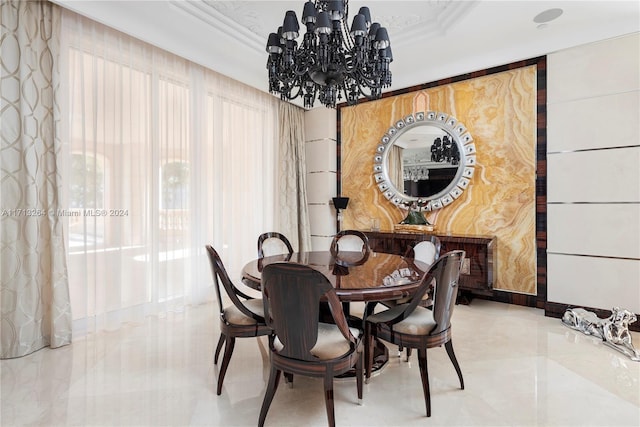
{"x": 272, "y": 385}
{"x": 228, "y": 351}
{"x": 424, "y": 374}
{"x": 449, "y": 347}
{"x": 346, "y": 308}
{"x": 218, "y": 348}
{"x": 328, "y": 398}
{"x": 368, "y": 351}
{"x": 369, "y": 309}
{"x": 288, "y": 378}
{"x": 359, "y": 369}
{"x": 409, "y": 353}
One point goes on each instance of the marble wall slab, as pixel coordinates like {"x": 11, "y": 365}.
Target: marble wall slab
{"x": 499, "y": 110}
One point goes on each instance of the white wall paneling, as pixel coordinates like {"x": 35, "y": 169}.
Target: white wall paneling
{"x": 320, "y": 243}
{"x": 320, "y": 123}
{"x": 321, "y": 155}
{"x": 594, "y": 122}
{"x": 595, "y": 282}
{"x": 594, "y": 70}
{"x": 320, "y": 146}
{"x": 321, "y": 187}
{"x": 319, "y": 214}
{"x": 606, "y": 175}
{"x": 593, "y": 175}
{"x": 609, "y": 230}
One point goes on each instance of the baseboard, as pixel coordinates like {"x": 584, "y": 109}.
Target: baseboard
{"x": 507, "y": 297}
{"x": 556, "y": 310}
{"x": 551, "y": 309}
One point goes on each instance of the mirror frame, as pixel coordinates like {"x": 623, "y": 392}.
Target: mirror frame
{"x": 458, "y": 184}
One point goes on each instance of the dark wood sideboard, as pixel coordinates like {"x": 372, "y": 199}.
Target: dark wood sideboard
{"x": 477, "y": 270}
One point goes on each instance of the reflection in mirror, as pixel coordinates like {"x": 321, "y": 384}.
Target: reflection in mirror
{"x": 425, "y": 161}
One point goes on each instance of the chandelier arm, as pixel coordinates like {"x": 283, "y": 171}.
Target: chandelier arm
{"x": 306, "y": 63}
{"x": 370, "y": 82}
{"x": 377, "y": 81}
{"x": 287, "y": 94}
{"x": 286, "y": 79}
{"x": 374, "y": 89}
{"x": 293, "y": 74}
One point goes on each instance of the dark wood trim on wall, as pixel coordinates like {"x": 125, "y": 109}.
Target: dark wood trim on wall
{"x": 338, "y": 163}
{"x": 338, "y": 152}
{"x": 540, "y": 299}
{"x": 541, "y": 183}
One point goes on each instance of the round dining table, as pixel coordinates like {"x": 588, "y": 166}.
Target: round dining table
{"x": 367, "y": 277}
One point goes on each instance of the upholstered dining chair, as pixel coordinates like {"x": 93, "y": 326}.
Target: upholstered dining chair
{"x": 412, "y": 326}
{"x": 243, "y": 318}
{"x": 273, "y": 243}
{"x": 426, "y": 251}
{"x": 350, "y": 241}
{"x": 346, "y": 245}
{"x": 300, "y": 343}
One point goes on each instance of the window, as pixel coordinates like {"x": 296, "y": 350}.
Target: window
{"x": 87, "y": 182}
{"x": 142, "y": 124}
{"x": 174, "y": 184}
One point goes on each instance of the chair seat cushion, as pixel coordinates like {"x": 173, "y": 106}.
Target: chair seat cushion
{"x": 420, "y": 322}
{"x": 330, "y": 344}
{"x": 236, "y": 317}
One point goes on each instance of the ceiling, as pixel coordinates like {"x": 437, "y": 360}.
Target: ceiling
{"x": 431, "y": 40}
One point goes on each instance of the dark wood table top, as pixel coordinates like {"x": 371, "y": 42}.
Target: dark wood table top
{"x": 376, "y": 277}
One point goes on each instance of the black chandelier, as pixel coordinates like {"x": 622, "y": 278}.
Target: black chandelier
{"x": 331, "y": 62}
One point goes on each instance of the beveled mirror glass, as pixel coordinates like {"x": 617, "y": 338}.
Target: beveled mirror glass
{"x": 425, "y": 161}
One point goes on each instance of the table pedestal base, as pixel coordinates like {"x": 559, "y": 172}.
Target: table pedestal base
{"x": 380, "y": 359}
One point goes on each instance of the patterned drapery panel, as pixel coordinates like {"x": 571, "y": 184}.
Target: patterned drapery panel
{"x": 33, "y": 273}
{"x": 292, "y": 197}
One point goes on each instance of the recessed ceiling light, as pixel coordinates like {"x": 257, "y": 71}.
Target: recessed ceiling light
{"x": 547, "y": 16}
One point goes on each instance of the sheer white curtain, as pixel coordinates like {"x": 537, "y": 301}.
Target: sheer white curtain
{"x": 162, "y": 157}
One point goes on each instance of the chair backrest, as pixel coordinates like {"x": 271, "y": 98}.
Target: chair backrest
{"x": 446, "y": 272}
{"x": 291, "y": 294}
{"x": 220, "y": 276}
{"x": 447, "y": 275}
{"x": 427, "y": 251}
{"x": 351, "y": 241}
{"x": 273, "y": 243}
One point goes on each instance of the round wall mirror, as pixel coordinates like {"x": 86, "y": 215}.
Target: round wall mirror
{"x": 425, "y": 161}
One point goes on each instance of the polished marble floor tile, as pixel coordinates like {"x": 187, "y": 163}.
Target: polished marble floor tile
{"x": 520, "y": 369}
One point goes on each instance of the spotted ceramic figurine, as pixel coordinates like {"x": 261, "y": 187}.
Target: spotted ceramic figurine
{"x": 614, "y": 331}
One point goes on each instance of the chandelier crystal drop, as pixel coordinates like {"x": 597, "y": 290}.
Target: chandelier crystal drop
{"x": 331, "y": 63}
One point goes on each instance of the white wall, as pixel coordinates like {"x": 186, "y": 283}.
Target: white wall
{"x": 593, "y": 175}
{"x": 320, "y": 134}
